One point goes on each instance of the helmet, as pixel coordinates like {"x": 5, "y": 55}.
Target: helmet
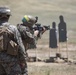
{"x": 4, "y": 13}
{"x": 5, "y": 10}
{"x": 27, "y": 19}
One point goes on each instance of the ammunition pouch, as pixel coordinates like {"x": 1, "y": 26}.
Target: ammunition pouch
{"x": 12, "y": 48}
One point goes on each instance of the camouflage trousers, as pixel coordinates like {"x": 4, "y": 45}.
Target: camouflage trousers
{"x": 9, "y": 65}
{"x": 10, "y": 69}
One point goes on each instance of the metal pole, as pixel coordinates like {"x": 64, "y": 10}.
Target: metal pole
{"x": 67, "y": 49}
{"x": 49, "y": 52}
{"x": 36, "y": 54}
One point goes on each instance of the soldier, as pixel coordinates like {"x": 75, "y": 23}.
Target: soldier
{"x": 27, "y": 34}
{"x": 9, "y": 64}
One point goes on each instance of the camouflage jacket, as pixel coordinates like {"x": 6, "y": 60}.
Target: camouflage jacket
{"x": 17, "y": 37}
{"x": 26, "y": 34}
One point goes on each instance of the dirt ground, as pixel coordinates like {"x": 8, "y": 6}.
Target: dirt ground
{"x": 41, "y": 68}
{"x": 43, "y": 52}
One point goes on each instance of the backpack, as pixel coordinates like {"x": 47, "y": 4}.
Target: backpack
{"x": 6, "y": 44}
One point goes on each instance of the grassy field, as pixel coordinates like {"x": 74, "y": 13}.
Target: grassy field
{"x": 48, "y": 11}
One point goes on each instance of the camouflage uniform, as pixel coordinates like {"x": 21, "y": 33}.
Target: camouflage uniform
{"x": 13, "y": 67}
{"x": 9, "y": 64}
{"x": 28, "y": 38}
{"x": 26, "y": 32}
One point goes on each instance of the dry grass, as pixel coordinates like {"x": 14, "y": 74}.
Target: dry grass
{"x": 52, "y": 69}
{"x": 42, "y": 68}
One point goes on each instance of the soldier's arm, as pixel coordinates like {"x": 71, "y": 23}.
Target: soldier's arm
{"x": 20, "y": 43}
{"x": 28, "y": 35}
{"x": 18, "y": 39}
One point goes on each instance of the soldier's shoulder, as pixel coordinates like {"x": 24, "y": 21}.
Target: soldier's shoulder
{"x": 5, "y": 24}
{"x": 22, "y": 27}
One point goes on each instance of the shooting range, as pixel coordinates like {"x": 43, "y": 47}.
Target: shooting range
{"x": 55, "y": 44}
{"x": 56, "y": 49}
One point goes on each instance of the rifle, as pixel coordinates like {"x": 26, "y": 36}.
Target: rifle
{"x": 41, "y": 29}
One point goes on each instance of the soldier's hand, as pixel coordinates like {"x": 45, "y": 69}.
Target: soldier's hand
{"x": 44, "y": 29}
{"x": 36, "y": 32}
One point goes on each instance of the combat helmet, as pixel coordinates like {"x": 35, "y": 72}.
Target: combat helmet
{"x": 5, "y": 10}
{"x": 28, "y": 19}
{"x": 4, "y": 13}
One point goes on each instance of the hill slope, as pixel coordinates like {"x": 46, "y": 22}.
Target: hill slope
{"x": 47, "y": 10}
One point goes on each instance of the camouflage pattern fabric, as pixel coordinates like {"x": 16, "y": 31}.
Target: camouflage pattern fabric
{"x": 22, "y": 51}
{"x": 28, "y": 39}
{"x": 26, "y": 33}
{"x": 9, "y": 64}
{"x": 22, "y": 60}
